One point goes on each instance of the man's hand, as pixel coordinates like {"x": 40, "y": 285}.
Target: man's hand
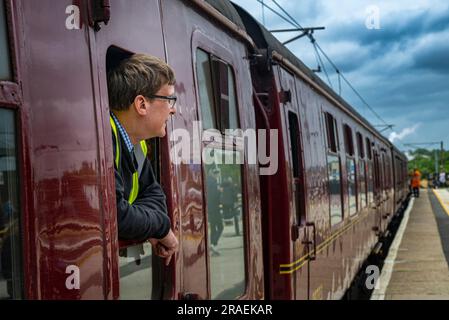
{"x": 166, "y": 247}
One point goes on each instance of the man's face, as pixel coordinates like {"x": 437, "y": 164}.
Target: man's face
{"x": 159, "y": 112}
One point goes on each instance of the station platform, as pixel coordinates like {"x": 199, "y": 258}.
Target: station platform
{"x": 417, "y": 265}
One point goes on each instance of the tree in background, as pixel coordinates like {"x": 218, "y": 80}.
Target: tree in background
{"x": 424, "y": 160}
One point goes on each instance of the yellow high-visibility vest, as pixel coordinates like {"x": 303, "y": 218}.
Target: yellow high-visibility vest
{"x": 143, "y": 146}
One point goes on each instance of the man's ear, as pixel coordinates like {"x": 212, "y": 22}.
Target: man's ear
{"x": 140, "y": 106}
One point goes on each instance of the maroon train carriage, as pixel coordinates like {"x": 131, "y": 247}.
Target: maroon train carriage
{"x": 301, "y": 233}
{"x": 340, "y": 192}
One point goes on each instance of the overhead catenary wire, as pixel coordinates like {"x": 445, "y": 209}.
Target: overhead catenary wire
{"x": 263, "y": 13}
{"x": 275, "y": 12}
{"x": 351, "y": 86}
{"x": 288, "y": 15}
{"x": 295, "y": 23}
{"x": 339, "y": 82}
{"x": 317, "y": 54}
{"x": 317, "y": 61}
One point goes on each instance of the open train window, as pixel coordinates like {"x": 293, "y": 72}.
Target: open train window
{"x": 333, "y": 170}
{"x": 140, "y": 271}
{"x": 331, "y": 132}
{"x": 369, "y": 150}
{"x": 349, "y": 141}
{"x": 294, "y": 136}
{"x": 296, "y": 155}
{"x": 360, "y": 146}
{"x": 11, "y": 274}
{"x": 223, "y": 176}
{"x": 216, "y": 83}
{"x": 5, "y": 59}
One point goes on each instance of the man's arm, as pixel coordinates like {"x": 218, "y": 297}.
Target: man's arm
{"x": 147, "y": 216}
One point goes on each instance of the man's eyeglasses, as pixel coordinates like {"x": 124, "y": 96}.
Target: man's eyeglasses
{"x": 170, "y": 99}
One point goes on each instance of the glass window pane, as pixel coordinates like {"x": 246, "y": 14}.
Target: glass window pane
{"x": 362, "y": 191}
{"x": 5, "y": 62}
{"x": 226, "y": 231}
{"x": 331, "y": 132}
{"x": 370, "y": 179}
{"x": 233, "y": 114}
{"x": 333, "y": 169}
{"x": 10, "y": 237}
{"x": 349, "y": 143}
{"x": 136, "y": 276}
{"x": 350, "y": 169}
{"x": 360, "y": 146}
{"x": 203, "y": 70}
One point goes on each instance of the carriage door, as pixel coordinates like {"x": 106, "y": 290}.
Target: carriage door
{"x": 377, "y": 189}
{"x": 223, "y": 172}
{"x": 384, "y": 188}
{"x": 131, "y": 29}
{"x": 295, "y": 179}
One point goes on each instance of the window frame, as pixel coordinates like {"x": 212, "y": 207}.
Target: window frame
{"x": 11, "y": 99}
{"x": 356, "y": 186}
{"x": 202, "y": 42}
{"x": 349, "y": 140}
{"x": 360, "y": 145}
{"x": 342, "y": 204}
{"x": 18, "y": 244}
{"x": 331, "y": 120}
{"x": 10, "y": 92}
{"x": 296, "y": 150}
{"x": 215, "y": 57}
{"x": 332, "y": 141}
{"x": 362, "y": 161}
{"x": 369, "y": 148}
{"x": 114, "y": 54}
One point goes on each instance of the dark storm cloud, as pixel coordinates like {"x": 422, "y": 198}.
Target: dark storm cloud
{"x": 434, "y": 58}
{"x": 402, "y": 69}
{"x": 395, "y": 29}
{"x": 398, "y": 32}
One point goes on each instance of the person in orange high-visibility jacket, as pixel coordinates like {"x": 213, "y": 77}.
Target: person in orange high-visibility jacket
{"x": 416, "y": 182}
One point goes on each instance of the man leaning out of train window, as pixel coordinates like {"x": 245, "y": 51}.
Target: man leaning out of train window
{"x": 141, "y": 99}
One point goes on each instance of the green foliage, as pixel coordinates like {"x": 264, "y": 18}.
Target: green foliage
{"x": 424, "y": 160}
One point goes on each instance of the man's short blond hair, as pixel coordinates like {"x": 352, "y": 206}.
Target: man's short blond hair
{"x": 139, "y": 74}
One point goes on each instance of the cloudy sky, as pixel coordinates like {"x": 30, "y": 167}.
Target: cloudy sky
{"x": 401, "y": 69}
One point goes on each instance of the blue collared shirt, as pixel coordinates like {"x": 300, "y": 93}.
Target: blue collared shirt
{"x": 123, "y": 133}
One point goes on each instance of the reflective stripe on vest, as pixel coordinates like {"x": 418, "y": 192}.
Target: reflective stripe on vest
{"x": 143, "y": 146}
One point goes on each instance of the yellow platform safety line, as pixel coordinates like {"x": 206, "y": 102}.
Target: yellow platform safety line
{"x": 443, "y": 204}
{"x": 320, "y": 248}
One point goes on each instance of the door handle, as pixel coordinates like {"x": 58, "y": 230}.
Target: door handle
{"x": 312, "y": 257}
{"x": 189, "y": 296}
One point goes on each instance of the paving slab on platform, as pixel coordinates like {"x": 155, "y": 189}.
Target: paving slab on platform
{"x": 419, "y": 269}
